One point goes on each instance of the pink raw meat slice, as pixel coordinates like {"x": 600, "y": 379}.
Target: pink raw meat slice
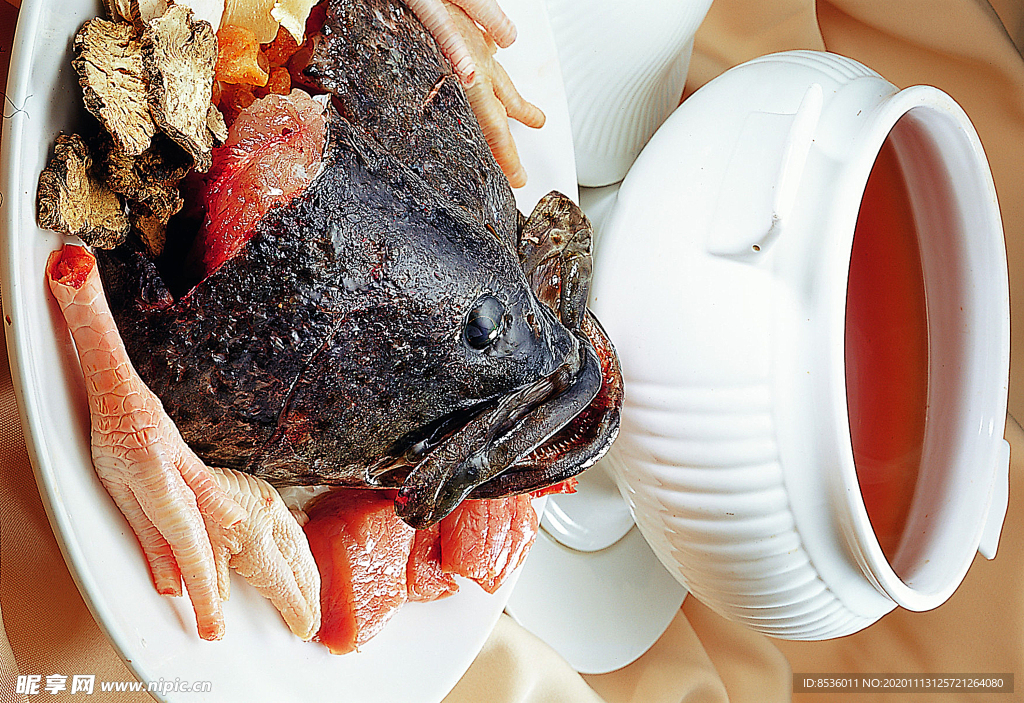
{"x": 426, "y": 579}
{"x": 274, "y": 151}
{"x": 486, "y": 540}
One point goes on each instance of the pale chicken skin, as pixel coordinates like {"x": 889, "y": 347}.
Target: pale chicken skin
{"x": 193, "y": 522}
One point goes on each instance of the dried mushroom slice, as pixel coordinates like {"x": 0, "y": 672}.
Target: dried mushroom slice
{"x": 116, "y": 9}
{"x": 138, "y": 12}
{"x": 150, "y": 228}
{"x": 149, "y": 182}
{"x": 72, "y": 201}
{"x": 151, "y": 177}
{"x": 179, "y": 55}
{"x": 219, "y": 128}
{"x": 108, "y": 60}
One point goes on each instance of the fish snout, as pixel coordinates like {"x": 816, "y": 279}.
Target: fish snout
{"x": 535, "y": 335}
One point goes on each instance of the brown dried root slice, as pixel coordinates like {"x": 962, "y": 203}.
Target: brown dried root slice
{"x": 494, "y": 99}
{"x": 179, "y": 55}
{"x": 150, "y": 229}
{"x": 168, "y": 495}
{"x": 269, "y": 550}
{"x": 138, "y": 12}
{"x": 72, "y": 200}
{"x": 149, "y": 182}
{"x": 218, "y": 126}
{"x": 108, "y": 60}
{"x": 152, "y": 177}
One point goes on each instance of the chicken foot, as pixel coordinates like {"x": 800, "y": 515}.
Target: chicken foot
{"x": 269, "y": 550}
{"x": 492, "y": 95}
{"x": 192, "y": 522}
{"x": 452, "y": 39}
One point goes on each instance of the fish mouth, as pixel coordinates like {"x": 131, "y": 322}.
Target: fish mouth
{"x": 580, "y": 443}
{"x": 532, "y": 438}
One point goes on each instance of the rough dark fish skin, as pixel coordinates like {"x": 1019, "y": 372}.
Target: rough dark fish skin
{"x": 338, "y": 329}
{"x": 333, "y": 347}
{"x": 389, "y": 77}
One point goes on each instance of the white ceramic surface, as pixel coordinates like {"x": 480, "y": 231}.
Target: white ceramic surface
{"x": 600, "y": 610}
{"x": 624, "y": 65}
{"x": 592, "y": 588}
{"x": 594, "y": 517}
{"x": 422, "y": 653}
{"x": 722, "y": 280}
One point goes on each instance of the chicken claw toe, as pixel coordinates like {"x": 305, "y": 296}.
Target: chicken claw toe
{"x": 487, "y": 13}
{"x": 269, "y": 550}
{"x": 162, "y": 565}
{"x": 493, "y": 97}
{"x": 173, "y": 502}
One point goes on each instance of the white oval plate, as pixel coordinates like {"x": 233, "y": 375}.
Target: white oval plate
{"x": 426, "y": 648}
{"x": 602, "y": 608}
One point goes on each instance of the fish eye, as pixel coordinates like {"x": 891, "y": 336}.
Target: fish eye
{"x": 484, "y": 322}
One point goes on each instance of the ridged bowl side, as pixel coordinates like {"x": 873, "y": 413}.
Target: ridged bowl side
{"x": 624, "y": 66}
{"x": 706, "y": 487}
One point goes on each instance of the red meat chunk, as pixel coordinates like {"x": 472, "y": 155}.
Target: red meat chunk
{"x": 274, "y": 150}
{"x": 567, "y": 486}
{"x": 362, "y": 551}
{"x": 426, "y": 579}
{"x": 486, "y": 540}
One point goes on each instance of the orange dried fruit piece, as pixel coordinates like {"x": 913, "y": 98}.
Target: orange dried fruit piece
{"x": 254, "y": 15}
{"x": 281, "y": 49}
{"x": 239, "y": 59}
{"x": 280, "y": 83}
{"x": 234, "y": 97}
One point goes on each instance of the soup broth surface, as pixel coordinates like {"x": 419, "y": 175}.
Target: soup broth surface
{"x": 886, "y": 351}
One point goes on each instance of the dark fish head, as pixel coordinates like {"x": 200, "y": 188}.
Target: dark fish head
{"x": 481, "y": 334}
{"x": 505, "y": 389}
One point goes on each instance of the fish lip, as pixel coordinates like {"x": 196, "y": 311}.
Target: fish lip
{"x": 596, "y": 432}
{"x": 391, "y": 470}
{"x": 590, "y": 438}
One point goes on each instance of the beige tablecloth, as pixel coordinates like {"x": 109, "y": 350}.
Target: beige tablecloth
{"x": 965, "y": 47}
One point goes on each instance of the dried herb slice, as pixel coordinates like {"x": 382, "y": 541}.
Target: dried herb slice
{"x": 108, "y": 60}
{"x": 179, "y": 54}
{"x": 72, "y": 200}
